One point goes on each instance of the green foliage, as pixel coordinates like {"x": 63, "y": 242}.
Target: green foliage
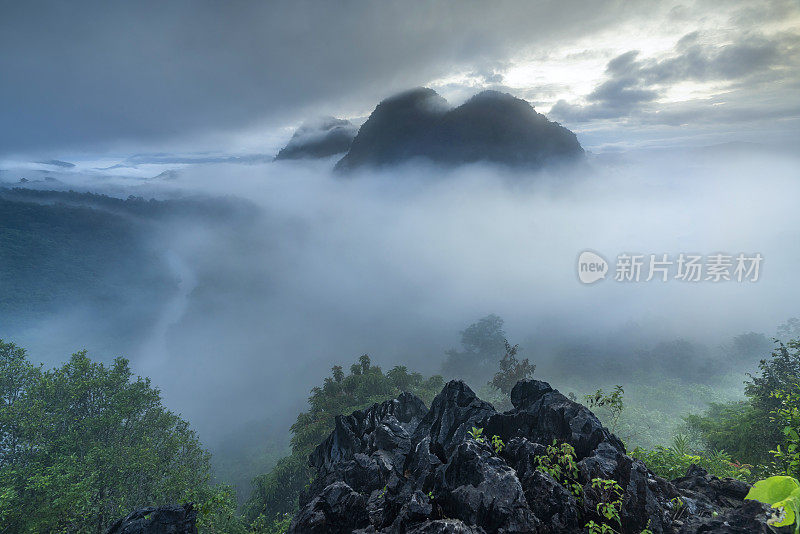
{"x": 53, "y": 253}
{"x": 84, "y": 444}
{"x": 477, "y": 434}
{"x": 278, "y": 525}
{"x": 654, "y": 409}
{"x": 559, "y": 462}
{"x": 737, "y": 427}
{"x": 364, "y": 386}
{"x": 673, "y": 462}
{"x": 501, "y": 401}
{"x": 782, "y": 493}
{"x": 511, "y": 370}
{"x": 750, "y": 430}
{"x": 253, "y": 448}
{"x": 678, "y": 507}
{"x": 779, "y": 373}
{"x": 275, "y": 493}
{"x": 788, "y": 415}
{"x": 612, "y": 402}
{"x": 497, "y": 444}
{"x": 609, "y": 505}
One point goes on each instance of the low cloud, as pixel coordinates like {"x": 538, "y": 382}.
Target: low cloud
{"x": 395, "y": 263}
{"x": 637, "y": 88}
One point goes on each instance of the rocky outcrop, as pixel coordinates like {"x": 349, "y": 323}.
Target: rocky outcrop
{"x": 163, "y": 520}
{"x": 325, "y": 137}
{"x": 491, "y": 126}
{"x": 748, "y": 518}
{"x": 399, "y": 467}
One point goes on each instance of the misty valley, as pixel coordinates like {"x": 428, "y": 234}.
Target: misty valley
{"x": 389, "y": 268}
{"x": 236, "y": 305}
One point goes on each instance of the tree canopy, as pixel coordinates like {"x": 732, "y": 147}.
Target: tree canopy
{"x": 748, "y": 430}
{"x": 483, "y": 344}
{"x": 84, "y": 444}
{"x": 275, "y": 493}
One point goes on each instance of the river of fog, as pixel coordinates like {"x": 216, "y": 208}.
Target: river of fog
{"x": 394, "y": 263}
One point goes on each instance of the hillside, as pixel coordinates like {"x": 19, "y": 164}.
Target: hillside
{"x": 319, "y": 139}
{"x": 491, "y": 126}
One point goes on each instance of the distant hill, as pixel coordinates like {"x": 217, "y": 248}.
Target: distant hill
{"x": 58, "y": 163}
{"x": 319, "y": 139}
{"x": 491, "y": 126}
{"x": 397, "y": 130}
{"x": 85, "y": 253}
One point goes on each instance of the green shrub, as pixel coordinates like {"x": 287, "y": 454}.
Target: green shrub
{"x": 751, "y": 430}
{"x": 673, "y": 462}
{"x": 84, "y": 444}
{"x": 788, "y": 415}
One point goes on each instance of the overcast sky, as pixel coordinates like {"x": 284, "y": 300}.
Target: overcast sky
{"x": 125, "y": 77}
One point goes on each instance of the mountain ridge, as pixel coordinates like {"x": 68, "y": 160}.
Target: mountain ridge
{"x": 491, "y": 126}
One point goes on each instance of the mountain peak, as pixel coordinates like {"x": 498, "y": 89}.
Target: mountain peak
{"x": 491, "y": 126}
{"x": 319, "y": 138}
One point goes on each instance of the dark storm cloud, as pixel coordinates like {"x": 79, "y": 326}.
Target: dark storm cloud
{"x": 746, "y": 65}
{"x": 78, "y": 74}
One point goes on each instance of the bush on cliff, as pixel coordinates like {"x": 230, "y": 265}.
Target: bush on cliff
{"x": 275, "y": 493}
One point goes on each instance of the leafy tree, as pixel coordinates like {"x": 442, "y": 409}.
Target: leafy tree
{"x": 736, "y": 427}
{"x": 781, "y": 372}
{"x": 747, "y": 349}
{"x": 275, "y": 493}
{"x": 749, "y": 430}
{"x": 483, "y": 344}
{"x": 613, "y": 403}
{"x": 511, "y": 370}
{"x": 83, "y": 444}
{"x": 788, "y": 417}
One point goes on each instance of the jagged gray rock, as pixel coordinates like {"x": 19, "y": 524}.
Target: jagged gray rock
{"x": 336, "y": 510}
{"x": 398, "y": 467}
{"x": 481, "y": 489}
{"x": 542, "y": 414}
{"x": 453, "y": 413}
{"x": 367, "y": 447}
{"x": 748, "y": 518}
{"x": 549, "y": 501}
